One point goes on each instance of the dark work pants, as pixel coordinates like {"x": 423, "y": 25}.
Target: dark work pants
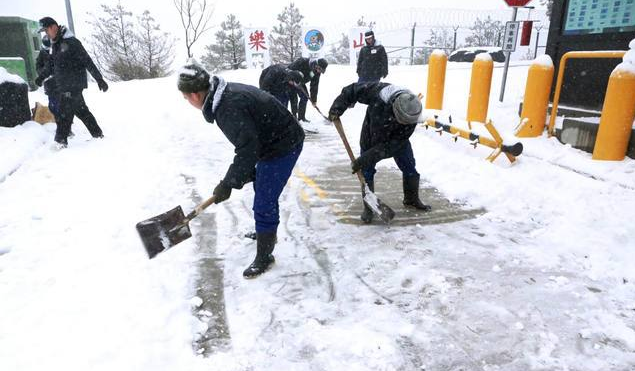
{"x": 282, "y": 98}
{"x": 72, "y": 104}
{"x": 271, "y": 177}
{"x": 405, "y": 160}
{"x": 298, "y": 109}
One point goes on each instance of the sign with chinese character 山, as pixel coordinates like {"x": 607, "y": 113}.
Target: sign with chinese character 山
{"x": 355, "y": 42}
{"x": 511, "y": 36}
{"x": 312, "y": 42}
{"x": 257, "y": 47}
{"x": 517, "y": 2}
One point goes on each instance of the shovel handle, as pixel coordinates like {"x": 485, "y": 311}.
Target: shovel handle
{"x": 199, "y": 209}
{"x": 340, "y": 131}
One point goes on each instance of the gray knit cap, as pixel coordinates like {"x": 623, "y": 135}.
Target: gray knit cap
{"x": 407, "y": 108}
{"x": 193, "y": 78}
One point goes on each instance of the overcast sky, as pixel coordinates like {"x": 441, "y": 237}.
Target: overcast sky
{"x": 260, "y": 13}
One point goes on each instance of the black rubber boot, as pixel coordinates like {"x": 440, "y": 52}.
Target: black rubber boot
{"x": 367, "y": 214}
{"x": 265, "y": 244}
{"x": 411, "y": 193}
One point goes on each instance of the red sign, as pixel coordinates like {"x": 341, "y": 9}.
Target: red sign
{"x": 525, "y": 37}
{"x": 257, "y": 40}
{"x": 517, "y": 2}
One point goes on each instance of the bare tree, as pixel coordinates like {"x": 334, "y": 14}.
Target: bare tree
{"x": 485, "y": 32}
{"x": 286, "y": 37}
{"x": 195, "y": 16}
{"x": 155, "y": 47}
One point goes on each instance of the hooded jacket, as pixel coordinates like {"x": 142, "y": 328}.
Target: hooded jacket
{"x": 70, "y": 62}
{"x": 258, "y": 126}
{"x": 382, "y": 136}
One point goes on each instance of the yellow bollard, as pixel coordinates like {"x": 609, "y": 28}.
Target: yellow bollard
{"x": 436, "y": 80}
{"x": 480, "y": 87}
{"x": 536, "y": 101}
{"x": 618, "y": 114}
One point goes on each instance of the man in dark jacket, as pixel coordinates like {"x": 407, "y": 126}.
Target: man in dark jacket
{"x": 372, "y": 63}
{"x": 267, "y": 141}
{"x": 279, "y": 81}
{"x": 311, "y": 69}
{"x": 44, "y": 67}
{"x": 390, "y": 120}
{"x": 70, "y": 62}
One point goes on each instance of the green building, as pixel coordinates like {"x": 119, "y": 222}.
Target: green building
{"x": 20, "y": 39}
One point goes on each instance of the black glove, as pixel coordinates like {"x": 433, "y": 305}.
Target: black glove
{"x": 356, "y": 165}
{"x": 39, "y": 80}
{"x": 333, "y": 116}
{"x": 103, "y": 86}
{"x": 221, "y": 192}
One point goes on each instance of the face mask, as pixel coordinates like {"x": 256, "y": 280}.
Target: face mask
{"x": 311, "y": 74}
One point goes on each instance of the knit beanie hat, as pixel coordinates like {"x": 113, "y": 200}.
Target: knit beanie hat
{"x": 407, "y": 108}
{"x": 193, "y": 78}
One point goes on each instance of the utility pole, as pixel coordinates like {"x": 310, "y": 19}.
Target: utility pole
{"x": 69, "y": 16}
{"x": 412, "y": 44}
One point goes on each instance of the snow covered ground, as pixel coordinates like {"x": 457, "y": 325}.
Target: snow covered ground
{"x": 544, "y": 280}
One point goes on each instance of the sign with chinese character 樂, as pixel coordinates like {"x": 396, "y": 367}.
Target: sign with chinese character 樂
{"x": 510, "y": 36}
{"x": 355, "y": 42}
{"x": 257, "y": 47}
{"x": 313, "y": 42}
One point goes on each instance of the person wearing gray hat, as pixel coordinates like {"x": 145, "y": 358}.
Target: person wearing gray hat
{"x": 267, "y": 139}
{"x": 390, "y": 120}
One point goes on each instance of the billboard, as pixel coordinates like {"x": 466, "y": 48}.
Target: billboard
{"x": 257, "y": 47}
{"x": 599, "y": 17}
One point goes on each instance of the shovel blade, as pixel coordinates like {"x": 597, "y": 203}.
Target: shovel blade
{"x": 163, "y": 231}
{"x": 383, "y": 211}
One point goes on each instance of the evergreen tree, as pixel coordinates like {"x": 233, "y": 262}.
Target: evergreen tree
{"x": 339, "y": 53}
{"x": 229, "y": 50}
{"x": 114, "y": 43}
{"x": 287, "y": 36}
{"x": 155, "y": 47}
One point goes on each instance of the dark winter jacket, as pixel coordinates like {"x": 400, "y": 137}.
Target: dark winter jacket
{"x": 302, "y": 65}
{"x": 372, "y": 62}
{"x": 382, "y": 136}
{"x": 275, "y": 79}
{"x": 70, "y": 62}
{"x": 258, "y": 126}
{"x": 44, "y": 68}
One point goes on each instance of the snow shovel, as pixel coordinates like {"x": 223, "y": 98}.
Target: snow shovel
{"x": 166, "y": 230}
{"x": 383, "y": 211}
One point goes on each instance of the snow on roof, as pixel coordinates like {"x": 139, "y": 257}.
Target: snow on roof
{"x": 5, "y": 76}
{"x": 543, "y": 60}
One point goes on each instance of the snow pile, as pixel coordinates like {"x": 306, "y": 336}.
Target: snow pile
{"x": 5, "y": 76}
{"x": 628, "y": 64}
{"x": 483, "y": 57}
{"x": 544, "y": 61}
{"x": 20, "y": 143}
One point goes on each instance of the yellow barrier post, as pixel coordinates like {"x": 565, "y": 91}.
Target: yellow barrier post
{"x": 618, "y": 114}
{"x": 436, "y": 80}
{"x": 536, "y": 101}
{"x": 480, "y": 86}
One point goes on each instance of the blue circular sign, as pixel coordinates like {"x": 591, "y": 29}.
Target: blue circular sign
{"x": 314, "y": 40}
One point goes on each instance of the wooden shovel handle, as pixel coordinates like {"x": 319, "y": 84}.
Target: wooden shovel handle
{"x": 199, "y": 208}
{"x": 340, "y": 131}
